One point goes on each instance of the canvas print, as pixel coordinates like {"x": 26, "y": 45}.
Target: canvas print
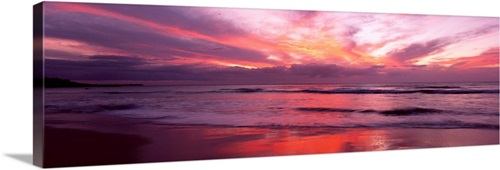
{"x": 142, "y": 83}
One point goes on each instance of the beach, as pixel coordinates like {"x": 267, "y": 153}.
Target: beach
{"x": 115, "y": 125}
{"x": 118, "y": 140}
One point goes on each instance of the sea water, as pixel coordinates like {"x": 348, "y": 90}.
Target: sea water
{"x": 395, "y": 105}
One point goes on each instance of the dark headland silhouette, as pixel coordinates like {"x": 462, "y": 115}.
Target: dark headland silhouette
{"x": 58, "y": 83}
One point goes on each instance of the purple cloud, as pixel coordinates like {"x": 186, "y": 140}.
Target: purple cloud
{"x": 139, "y": 40}
{"x": 418, "y": 50}
{"x": 134, "y": 68}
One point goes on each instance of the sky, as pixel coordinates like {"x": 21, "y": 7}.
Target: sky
{"x": 200, "y": 45}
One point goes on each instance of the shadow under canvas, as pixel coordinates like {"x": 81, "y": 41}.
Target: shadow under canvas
{"x": 26, "y": 158}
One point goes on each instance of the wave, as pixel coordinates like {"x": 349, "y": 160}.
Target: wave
{"x": 392, "y": 112}
{"x": 357, "y": 91}
{"x": 457, "y": 91}
{"x": 133, "y": 92}
{"x": 426, "y": 125}
{"x": 418, "y": 89}
{"x": 243, "y": 90}
{"x": 438, "y": 87}
{"x": 410, "y": 111}
{"x": 441, "y": 125}
{"x": 374, "y": 91}
{"x": 111, "y": 107}
{"x": 322, "y": 109}
{"x": 90, "y": 108}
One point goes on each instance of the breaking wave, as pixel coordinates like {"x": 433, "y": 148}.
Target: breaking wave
{"x": 427, "y": 125}
{"x": 437, "y": 90}
{"x": 410, "y": 111}
{"x": 392, "y": 112}
{"x": 90, "y": 108}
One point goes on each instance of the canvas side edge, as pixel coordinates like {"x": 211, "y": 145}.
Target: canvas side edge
{"x": 38, "y": 76}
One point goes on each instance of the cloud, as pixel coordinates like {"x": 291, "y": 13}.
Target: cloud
{"x": 488, "y": 58}
{"x": 134, "y": 37}
{"x": 483, "y": 30}
{"x": 135, "y": 42}
{"x": 315, "y": 70}
{"x": 102, "y": 67}
{"x": 423, "y": 49}
{"x": 95, "y": 68}
{"x": 331, "y": 70}
{"x": 418, "y": 50}
{"x": 127, "y": 68}
{"x": 440, "y": 74}
{"x": 188, "y": 18}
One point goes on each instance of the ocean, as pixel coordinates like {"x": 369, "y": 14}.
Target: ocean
{"x": 395, "y": 105}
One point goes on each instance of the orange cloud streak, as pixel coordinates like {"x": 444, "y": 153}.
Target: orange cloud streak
{"x": 489, "y": 58}
{"x": 77, "y": 47}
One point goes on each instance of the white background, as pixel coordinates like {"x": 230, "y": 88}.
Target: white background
{"x": 16, "y": 92}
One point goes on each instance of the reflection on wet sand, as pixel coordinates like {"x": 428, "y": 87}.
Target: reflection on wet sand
{"x": 156, "y": 142}
{"x": 190, "y": 143}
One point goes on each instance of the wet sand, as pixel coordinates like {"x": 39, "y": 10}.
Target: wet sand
{"x": 73, "y": 147}
{"x": 93, "y": 139}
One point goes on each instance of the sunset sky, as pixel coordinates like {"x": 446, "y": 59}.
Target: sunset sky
{"x": 197, "y": 45}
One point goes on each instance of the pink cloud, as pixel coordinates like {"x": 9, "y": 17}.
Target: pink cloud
{"x": 248, "y": 38}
